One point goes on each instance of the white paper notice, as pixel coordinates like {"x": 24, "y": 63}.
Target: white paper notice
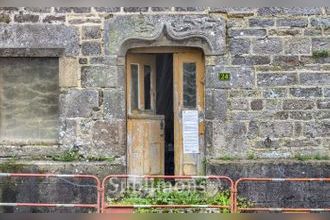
{"x": 190, "y": 131}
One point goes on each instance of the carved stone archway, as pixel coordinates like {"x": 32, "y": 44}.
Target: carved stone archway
{"x": 130, "y": 31}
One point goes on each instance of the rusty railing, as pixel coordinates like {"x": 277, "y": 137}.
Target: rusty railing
{"x": 276, "y": 209}
{"x": 95, "y": 206}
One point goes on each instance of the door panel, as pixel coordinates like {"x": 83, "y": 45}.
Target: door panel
{"x": 145, "y": 134}
{"x": 188, "y": 70}
{"x": 145, "y": 145}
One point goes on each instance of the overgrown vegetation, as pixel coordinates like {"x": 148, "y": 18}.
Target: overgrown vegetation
{"x": 320, "y": 54}
{"x": 11, "y": 166}
{"x": 164, "y": 195}
{"x": 227, "y": 158}
{"x": 303, "y": 157}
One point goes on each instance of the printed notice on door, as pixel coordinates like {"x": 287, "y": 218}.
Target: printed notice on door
{"x": 190, "y": 131}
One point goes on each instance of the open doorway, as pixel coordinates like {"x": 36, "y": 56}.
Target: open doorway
{"x": 164, "y": 105}
{"x": 165, "y": 99}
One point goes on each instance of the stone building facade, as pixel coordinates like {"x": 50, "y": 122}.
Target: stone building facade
{"x": 275, "y": 105}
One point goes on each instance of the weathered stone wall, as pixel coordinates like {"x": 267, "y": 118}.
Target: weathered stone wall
{"x": 275, "y": 105}
{"x": 278, "y": 194}
{"x": 277, "y": 102}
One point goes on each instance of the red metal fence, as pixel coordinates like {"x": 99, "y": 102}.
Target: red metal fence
{"x": 53, "y": 205}
{"x": 102, "y": 206}
{"x": 277, "y": 209}
{"x": 106, "y": 206}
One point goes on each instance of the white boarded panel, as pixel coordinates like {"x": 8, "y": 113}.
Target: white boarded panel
{"x": 190, "y": 131}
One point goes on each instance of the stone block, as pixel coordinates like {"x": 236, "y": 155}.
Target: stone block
{"x": 323, "y": 104}
{"x": 294, "y": 11}
{"x": 79, "y": 103}
{"x": 208, "y": 136}
{"x": 68, "y": 72}
{"x": 230, "y": 136}
{"x": 300, "y": 143}
{"x": 251, "y": 60}
{"x": 110, "y": 134}
{"x": 317, "y": 129}
{"x": 273, "y": 105}
{"x": 85, "y": 20}
{"x": 301, "y": 115}
{"x": 239, "y": 46}
{"x": 40, "y": 36}
{"x": 189, "y": 9}
{"x": 276, "y": 79}
{"x": 314, "y": 60}
{"x": 295, "y": 104}
{"x": 68, "y": 134}
{"x": 247, "y": 32}
{"x": 256, "y": 105}
{"x": 114, "y": 104}
{"x": 38, "y": 9}
{"x": 298, "y": 46}
{"x": 99, "y": 76}
{"x": 320, "y": 44}
{"x": 26, "y": 18}
{"x": 320, "y": 22}
{"x": 312, "y": 31}
{"x": 327, "y": 92}
{"x": 261, "y": 22}
{"x": 306, "y": 92}
{"x": 285, "y": 32}
{"x": 292, "y": 22}
{"x": 157, "y": 9}
{"x": 280, "y": 60}
{"x": 73, "y": 9}
{"x": 267, "y": 46}
{"x": 135, "y": 9}
{"x": 104, "y": 60}
{"x": 241, "y": 77}
{"x": 274, "y": 93}
{"x": 4, "y": 18}
{"x": 91, "y": 48}
{"x": 216, "y": 104}
{"x": 315, "y": 78}
{"x": 91, "y": 32}
{"x": 243, "y": 93}
{"x": 239, "y": 104}
{"x": 280, "y": 115}
{"x": 53, "y": 19}
{"x": 321, "y": 115}
{"x": 278, "y": 129}
{"x": 107, "y": 9}
{"x": 253, "y": 130}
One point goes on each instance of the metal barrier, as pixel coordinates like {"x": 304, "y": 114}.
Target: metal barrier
{"x": 105, "y": 205}
{"x": 101, "y": 205}
{"x": 59, "y": 205}
{"x": 257, "y": 209}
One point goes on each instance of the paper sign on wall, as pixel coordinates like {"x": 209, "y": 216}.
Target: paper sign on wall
{"x": 190, "y": 131}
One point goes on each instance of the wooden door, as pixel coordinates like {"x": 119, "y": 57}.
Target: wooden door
{"x": 188, "y": 70}
{"x": 145, "y": 129}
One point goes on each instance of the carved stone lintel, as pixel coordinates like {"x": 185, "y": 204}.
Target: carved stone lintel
{"x": 209, "y": 30}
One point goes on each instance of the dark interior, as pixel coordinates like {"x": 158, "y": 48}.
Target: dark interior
{"x": 164, "y": 105}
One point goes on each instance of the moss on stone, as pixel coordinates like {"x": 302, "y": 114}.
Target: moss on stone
{"x": 11, "y": 166}
{"x": 4, "y": 18}
{"x": 302, "y": 157}
{"x": 320, "y": 54}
